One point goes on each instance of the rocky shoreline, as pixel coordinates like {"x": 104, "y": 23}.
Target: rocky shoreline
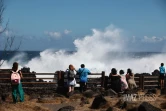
{"x": 54, "y": 98}
{"x": 94, "y": 99}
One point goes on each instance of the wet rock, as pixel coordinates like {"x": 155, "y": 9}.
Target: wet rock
{"x": 98, "y": 102}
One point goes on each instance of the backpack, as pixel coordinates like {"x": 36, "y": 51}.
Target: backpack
{"x": 15, "y": 78}
{"x": 71, "y": 75}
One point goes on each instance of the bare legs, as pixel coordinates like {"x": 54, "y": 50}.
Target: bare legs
{"x": 162, "y": 83}
{"x": 71, "y": 88}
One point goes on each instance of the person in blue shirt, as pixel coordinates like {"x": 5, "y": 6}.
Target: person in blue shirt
{"x": 162, "y": 74}
{"x": 83, "y": 73}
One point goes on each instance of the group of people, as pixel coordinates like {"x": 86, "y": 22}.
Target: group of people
{"x": 16, "y": 76}
{"x": 121, "y": 82}
{"x": 82, "y": 72}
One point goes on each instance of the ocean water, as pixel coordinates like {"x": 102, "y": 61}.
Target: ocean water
{"x": 100, "y": 51}
{"x": 45, "y": 60}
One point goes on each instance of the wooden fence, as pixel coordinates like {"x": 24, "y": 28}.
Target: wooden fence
{"x": 59, "y": 78}
{"x": 31, "y": 80}
{"x": 146, "y": 82}
{"x": 39, "y": 80}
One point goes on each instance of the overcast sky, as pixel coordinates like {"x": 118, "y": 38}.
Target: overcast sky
{"x": 55, "y": 24}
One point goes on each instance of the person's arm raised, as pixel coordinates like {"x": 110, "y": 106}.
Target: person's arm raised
{"x": 21, "y": 74}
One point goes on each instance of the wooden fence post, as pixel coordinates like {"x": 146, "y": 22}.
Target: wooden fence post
{"x": 59, "y": 75}
{"x": 62, "y": 78}
{"x": 59, "y": 78}
{"x": 142, "y": 82}
{"x": 102, "y": 78}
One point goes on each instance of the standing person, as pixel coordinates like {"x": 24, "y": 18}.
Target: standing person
{"x": 130, "y": 78}
{"x": 83, "y": 73}
{"x": 124, "y": 84}
{"x": 17, "y": 87}
{"x": 162, "y": 74}
{"x": 71, "y": 78}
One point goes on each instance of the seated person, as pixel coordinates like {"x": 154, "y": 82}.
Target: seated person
{"x": 124, "y": 84}
{"x": 115, "y": 80}
{"x": 131, "y": 81}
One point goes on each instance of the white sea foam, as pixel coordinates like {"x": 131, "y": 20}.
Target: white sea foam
{"x": 95, "y": 52}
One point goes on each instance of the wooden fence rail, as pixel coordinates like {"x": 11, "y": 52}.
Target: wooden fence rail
{"x": 59, "y": 78}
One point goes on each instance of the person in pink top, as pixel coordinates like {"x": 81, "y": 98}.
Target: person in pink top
{"x": 124, "y": 84}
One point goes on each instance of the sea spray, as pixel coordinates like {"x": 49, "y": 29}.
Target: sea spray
{"x": 97, "y": 51}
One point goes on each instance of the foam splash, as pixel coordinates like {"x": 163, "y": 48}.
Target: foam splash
{"x": 95, "y": 51}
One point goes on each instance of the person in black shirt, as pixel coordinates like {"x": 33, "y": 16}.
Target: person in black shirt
{"x": 115, "y": 80}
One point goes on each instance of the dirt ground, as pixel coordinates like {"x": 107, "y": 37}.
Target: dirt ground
{"x": 54, "y": 104}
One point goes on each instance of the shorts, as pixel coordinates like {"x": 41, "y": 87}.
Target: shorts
{"x": 161, "y": 76}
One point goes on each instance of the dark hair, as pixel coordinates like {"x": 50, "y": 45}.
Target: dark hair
{"x": 113, "y": 71}
{"x": 129, "y": 71}
{"x": 162, "y": 64}
{"x": 82, "y": 65}
{"x": 15, "y": 66}
{"x": 121, "y": 72}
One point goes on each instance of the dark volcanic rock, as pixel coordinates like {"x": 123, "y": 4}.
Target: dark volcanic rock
{"x": 142, "y": 74}
{"x": 84, "y": 101}
{"x": 163, "y": 91}
{"x": 89, "y": 93}
{"x": 163, "y": 105}
{"x": 110, "y": 92}
{"x": 131, "y": 106}
{"x": 67, "y": 108}
{"x": 131, "y": 91}
{"x": 152, "y": 91}
{"x": 58, "y": 95}
{"x": 113, "y": 109}
{"x": 156, "y": 72}
{"x": 145, "y": 106}
{"x": 62, "y": 90}
{"x": 4, "y": 96}
{"x": 98, "y": 102}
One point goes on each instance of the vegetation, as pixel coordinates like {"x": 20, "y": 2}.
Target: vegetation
{"x": 7, "y": 43}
